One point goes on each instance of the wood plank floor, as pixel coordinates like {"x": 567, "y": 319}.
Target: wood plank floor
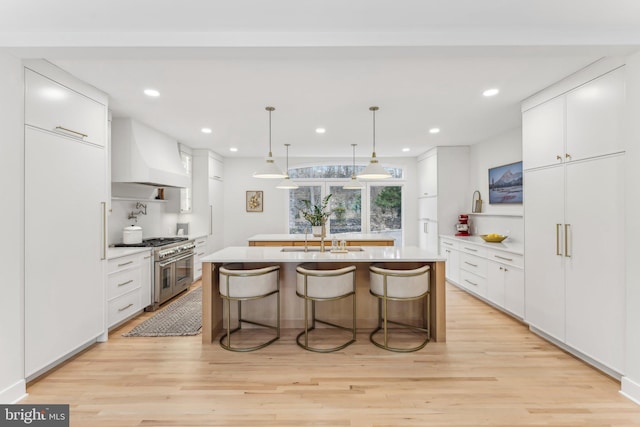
{"x": 490, "y": 372}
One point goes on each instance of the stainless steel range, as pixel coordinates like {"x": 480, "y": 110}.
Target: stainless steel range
{"x": 173, "y": 267}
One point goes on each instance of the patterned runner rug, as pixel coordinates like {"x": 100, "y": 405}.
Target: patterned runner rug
{"x": 180, "y": 318}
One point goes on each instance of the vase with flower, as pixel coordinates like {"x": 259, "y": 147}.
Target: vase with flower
{"x": 317, "y": 215}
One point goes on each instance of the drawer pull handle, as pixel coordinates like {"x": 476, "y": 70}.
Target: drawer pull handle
{"x": 200, "y": 242}
{"x": 147, "y": 257}
{"x": 125, "y": 263}
{"x": 447, "y": 243}
{"x": 80, "y": 134}
{"x": 471, "y": 249}
{"x": 501, "y": 257}
{"x": 201, "y": 253}
{"x": 472, "y": 265}
{"x": 125, "y": 307}
{"x": 468, "y": 281}
{"x": 125, "y": 283}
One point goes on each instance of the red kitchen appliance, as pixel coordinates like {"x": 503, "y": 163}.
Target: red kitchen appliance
{"x": 463, "y": 225}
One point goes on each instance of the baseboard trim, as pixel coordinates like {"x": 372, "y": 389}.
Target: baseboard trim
{"x": 630, "y": 390}
{"x": 14, "y": 393}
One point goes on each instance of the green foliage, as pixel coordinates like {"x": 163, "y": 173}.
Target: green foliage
{"x": 389, "y": 198}
{"x": 316, "y": 214}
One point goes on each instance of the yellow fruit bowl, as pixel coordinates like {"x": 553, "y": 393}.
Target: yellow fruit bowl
{"x": 493, "y": 238}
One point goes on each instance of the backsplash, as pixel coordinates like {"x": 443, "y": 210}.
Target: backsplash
{"x": 158, "y": 222}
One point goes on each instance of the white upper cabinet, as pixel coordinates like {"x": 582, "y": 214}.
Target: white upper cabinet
{"x": 428, "y": 176}
{"x": 216, "y": 169}
{"x": 543, "y": 134}
{"x": 56, "y": 108}
{"x": 594, "y": 117}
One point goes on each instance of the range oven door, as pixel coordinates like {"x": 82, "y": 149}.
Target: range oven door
{"x": 183, "y": 273}
{"x": 165, "y": 277}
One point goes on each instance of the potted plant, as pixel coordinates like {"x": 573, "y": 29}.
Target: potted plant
{"x": 317, "y": 215}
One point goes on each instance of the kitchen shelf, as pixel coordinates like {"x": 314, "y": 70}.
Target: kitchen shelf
{"x": 513, "y": 214}
{"x": 137, "y": 199}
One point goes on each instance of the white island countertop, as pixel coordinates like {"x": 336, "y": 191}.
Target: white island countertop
{"x": 276, "y": 254}
{"x": 310, "y": 237}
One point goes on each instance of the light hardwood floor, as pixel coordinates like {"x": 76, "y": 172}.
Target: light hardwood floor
{"x": 490, "y": 372}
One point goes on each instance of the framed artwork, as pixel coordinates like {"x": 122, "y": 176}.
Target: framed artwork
{"x": 505, "y": 184}
{"x": 254, "y": 201}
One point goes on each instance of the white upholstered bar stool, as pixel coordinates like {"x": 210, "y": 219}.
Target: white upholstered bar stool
{"x": 315, "y": 282}
{"x": 395, "y": 284}
{"x": 240, "y": 284}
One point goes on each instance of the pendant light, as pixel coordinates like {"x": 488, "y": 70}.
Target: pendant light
{"x": 269, "y": 169}
{"x": 374, "y": 170}
{"x": 354, "y": 184}
{"x": 286, "y": 183}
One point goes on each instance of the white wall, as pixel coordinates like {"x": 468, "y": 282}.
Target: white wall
{"x": 12, "y": 385}
{"x": 240, "y": 225}
{"x": 503, "y": 149}
{"x": 631, "y": 379}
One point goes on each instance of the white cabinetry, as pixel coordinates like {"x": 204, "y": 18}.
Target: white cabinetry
{"x": 208, "y": 195}
{"x": 65, "y": 249}
{"x": 186, "y": 194}
{"x": 574, "y": 224}
{"x": 442, "y": 192}
{"x": 199, "y": 252}
{"x": 128, "y": 286}
{"x": 493, "y": 275}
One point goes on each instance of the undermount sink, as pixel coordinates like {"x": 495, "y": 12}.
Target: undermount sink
{"x": 317, "y": 249}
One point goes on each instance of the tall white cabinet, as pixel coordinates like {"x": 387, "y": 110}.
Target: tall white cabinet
{"x": 208, "y": 196}
{"x": 574, "y": 205}
{"x": 443, "y": 179}
{"x": 65, "y": 215}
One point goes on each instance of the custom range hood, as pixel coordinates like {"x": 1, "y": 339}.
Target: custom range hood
{"x": 142, "y": 155}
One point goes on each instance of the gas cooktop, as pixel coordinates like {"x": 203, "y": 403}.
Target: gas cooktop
{"x": 153, "y": 242}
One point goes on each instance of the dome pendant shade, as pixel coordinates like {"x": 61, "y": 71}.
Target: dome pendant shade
{"x": 374, "y": 170}
{"x": 269, "y": 169}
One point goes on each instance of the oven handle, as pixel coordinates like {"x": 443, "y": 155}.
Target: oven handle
{"x": 172, "y": 260}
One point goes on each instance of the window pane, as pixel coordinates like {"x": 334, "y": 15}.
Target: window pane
{"x": 385, "y": 214}
{"x": 334, "y": 171}
{"x": 297, "y": 223}
{"x": 346, "y": 207}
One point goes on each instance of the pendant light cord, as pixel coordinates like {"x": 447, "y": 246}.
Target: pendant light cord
{"x": 353, "y": 168}
{"x": 374, "y": 109}
{"x": 270, "y": 109}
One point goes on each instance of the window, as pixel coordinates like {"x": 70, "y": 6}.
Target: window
{"x": 377, "y": 208}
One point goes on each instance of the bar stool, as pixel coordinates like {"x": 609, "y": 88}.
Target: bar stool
{"x": 240, "y": 284}
{"x": 318, "y": 283}
{"x": 399, "y": 285}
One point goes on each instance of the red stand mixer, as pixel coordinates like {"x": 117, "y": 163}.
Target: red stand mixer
{"x": 463, "y": 225}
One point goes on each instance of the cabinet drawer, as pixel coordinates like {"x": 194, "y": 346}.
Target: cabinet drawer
{"x": 123, "y": 281}
{"x": 124, "y": 306}
{"x": 473, "y": 249}
{"x": 124, "y": 262}
{"x": 56, "y": 108}
{"x": 473, "y": 264}
{"x": 474, "y": 283}
{"x": 503, "y": 257}
{"x": 451, "y": 244}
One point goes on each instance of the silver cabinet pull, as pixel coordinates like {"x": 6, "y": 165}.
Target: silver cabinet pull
{"x": 472, "y": 265}
{"x": 125, "y": 263}
{"x": 200, "y": 242}
{"x": 504, "y": 258}
{"x": 201, "y": 254}
{"x": 558, "y": 239}
{"x": 471, "y": 249}
{"x": 125, "y": 307}
{"x": 210, "y": 220}
{"x": 125, "y": 283}
{"x": 80, "y": 134}
{"x": 147, "y": 257}
{"x": 566, "y": 240}
{"x": 468, "y": 281}
{"x": 447, "y": 243}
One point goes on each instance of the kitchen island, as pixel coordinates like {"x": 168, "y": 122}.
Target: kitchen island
{"x": 352, "y": 239}
{"x": 292, "y": 312}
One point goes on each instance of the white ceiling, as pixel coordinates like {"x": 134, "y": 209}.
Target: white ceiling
{"x": 218, "y": 64}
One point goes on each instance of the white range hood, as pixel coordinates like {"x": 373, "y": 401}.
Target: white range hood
{"x": 142, "y": 155}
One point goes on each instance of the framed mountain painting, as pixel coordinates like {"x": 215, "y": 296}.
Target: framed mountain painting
{"x": 505, "y": 184}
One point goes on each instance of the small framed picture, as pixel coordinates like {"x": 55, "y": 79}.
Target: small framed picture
{"x": 254, "y": 201}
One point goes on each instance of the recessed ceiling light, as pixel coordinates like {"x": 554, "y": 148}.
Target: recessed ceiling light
{"x": 491, "y": 92}
{"x": 434, "y": 130}
{"x": 233, "y": 149}
{"x": 151, "y": 92}
{"x": 321, "y": 130}
{"x": 406, "y": 149}
{"x": 206, "y": 130}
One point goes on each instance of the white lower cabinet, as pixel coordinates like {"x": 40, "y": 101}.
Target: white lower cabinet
{"x": 128, "y": 286}
{"x": 496, "y": 276}
{"x": 200, "y": 251}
